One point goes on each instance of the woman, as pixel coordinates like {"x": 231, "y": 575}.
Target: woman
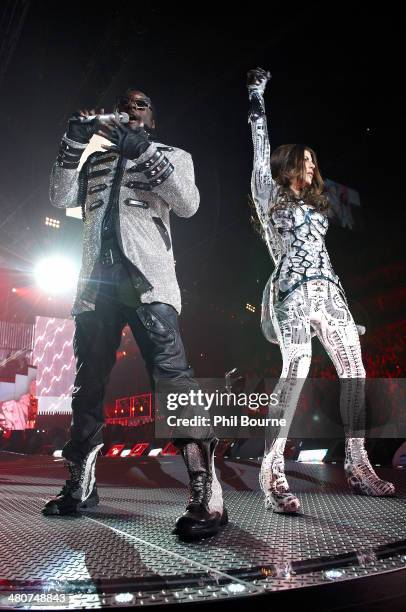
{"x": 303, "y": 297}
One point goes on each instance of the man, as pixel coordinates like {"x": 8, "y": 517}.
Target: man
{"x": 128, "y": 276}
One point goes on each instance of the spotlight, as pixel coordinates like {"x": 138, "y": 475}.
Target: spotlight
{"x": 124, "y": 597}
{"x": 250, "y": 307}
{"x": 138, "y": 449}
{"x": 312, "y": 456}
{"x": 56, "y": 274}
{"x": 55, "y": 223}
{"x": 115, "y": 450}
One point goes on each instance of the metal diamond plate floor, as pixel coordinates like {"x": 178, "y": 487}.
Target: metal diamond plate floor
{"x": 123, "y": 551}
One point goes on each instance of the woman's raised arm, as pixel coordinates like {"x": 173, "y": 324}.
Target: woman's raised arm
{"x": 262, "y": 184}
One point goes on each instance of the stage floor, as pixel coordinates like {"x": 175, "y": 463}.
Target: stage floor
{"x": 123, "y": 552}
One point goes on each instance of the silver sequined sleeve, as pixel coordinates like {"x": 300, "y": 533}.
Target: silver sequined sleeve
{"x": 262, "y": 184}
{"x": 264, "y": 188}
{"x": 179, "y": 190}
{"x": 64, "y": 187}
{"x": 64, "y": 183}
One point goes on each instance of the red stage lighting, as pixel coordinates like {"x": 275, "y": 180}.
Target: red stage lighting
{"x": 169, "y": 450}
{"x": 115, "y": 450}
{"x": 135, "y": 406}
{"x": 138, "y": 449}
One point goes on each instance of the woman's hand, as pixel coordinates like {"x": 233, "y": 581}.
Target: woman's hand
{"x": 257, "y": 79}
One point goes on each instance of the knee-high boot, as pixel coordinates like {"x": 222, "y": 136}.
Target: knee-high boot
{"x": 205, "y": 512}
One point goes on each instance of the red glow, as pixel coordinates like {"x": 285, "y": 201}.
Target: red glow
{"x": 115, "y": 450}
{"x": 138, "y": 449}
{"x": 134, "y": 405}
{"x": 169, "y": 450}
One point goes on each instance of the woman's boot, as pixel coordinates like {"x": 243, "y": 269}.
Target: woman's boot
{"x": 359, "y": 472}
{"x": 273, "y": 481}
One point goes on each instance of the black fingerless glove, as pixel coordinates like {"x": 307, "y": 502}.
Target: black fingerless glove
{"x": 78, "y": 135}
{"x": 130, "y": 143}
{"x": 82, "y": 130}
{"x": 256, "y": 83}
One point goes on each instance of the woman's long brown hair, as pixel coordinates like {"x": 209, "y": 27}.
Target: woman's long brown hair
{"x": 287, "y": 165}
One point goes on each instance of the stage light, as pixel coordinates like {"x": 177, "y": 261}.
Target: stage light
{"x": 250, "y": 307}
{"x": 56, "y": 274}
{"x": 14, "y": 290}
{"x": 155, "y": 452}
{"x": 169, "y": 450}
{"x": 236, "y": 588}
{"x": 55, "y": 223}
{"x": 334, "y": 574}
{"x": 115, "y": 450}
{"x": 124, "y": 597}
{"x": 313, "y": 455}
{"x": 138, "y": 449}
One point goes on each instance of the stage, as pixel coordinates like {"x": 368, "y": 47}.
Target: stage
{"x": 123, "y": 552}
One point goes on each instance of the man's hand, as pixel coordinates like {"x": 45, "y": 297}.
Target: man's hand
{"x": 82, "y": 131}
{"x": 130, "y": 143}
{"x": 257, "y": 80}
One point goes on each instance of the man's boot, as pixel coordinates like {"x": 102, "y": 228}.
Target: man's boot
{"x": 92, "y": 501}
{"x": 79, "y": 492}
{"x": 360, "y": 474}
{"x": 205, "y": 513}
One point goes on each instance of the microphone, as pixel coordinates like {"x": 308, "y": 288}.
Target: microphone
{"x": 227, "y": 378}
{"x": 106, "y": 118}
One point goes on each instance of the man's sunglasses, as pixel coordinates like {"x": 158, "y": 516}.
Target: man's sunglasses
{"x": 140, "y": 104}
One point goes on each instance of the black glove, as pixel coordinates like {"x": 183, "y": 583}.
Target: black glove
{"x": 130, "y": 143}
{"x": 81, "y": 128}
{"x": 257, "y": 79}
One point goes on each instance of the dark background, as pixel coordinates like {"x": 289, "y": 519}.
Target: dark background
{"x": 336, "y": 81}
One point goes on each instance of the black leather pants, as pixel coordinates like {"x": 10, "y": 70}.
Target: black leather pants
{"x": 97, "y": 337}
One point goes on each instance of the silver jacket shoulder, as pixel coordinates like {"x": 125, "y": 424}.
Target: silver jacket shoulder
{"x": 159, "y": 164}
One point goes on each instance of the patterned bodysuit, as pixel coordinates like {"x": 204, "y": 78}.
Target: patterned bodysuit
{"x": 303, "y": 296}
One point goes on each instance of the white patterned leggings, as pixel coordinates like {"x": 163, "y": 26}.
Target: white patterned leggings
{"x": 318, "y": 304}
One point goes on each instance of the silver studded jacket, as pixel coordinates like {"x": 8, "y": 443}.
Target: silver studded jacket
{"x": 160, "y": 180}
